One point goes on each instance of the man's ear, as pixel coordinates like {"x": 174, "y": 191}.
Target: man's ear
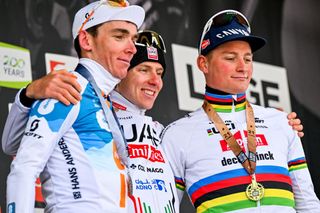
{"x": 85, "y": 40}
{"x": 202, "y": 63}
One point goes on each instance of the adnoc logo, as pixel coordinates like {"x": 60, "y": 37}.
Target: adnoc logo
{"x": 15, "y": 67}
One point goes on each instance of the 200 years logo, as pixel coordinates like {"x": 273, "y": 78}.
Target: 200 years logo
{"x": 15, "y": 66}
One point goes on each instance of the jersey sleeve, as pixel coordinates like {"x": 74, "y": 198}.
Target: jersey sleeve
{"x": 14, "y": 126}
{"x": 304, "y": 195}
{"x": 48, "y": 121}
{"x": 175, "y": 155}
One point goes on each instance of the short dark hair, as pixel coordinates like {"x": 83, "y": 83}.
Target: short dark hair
{"x": 92, "y": 31}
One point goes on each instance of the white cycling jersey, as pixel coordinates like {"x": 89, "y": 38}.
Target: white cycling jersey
{"x": 153, "y": 185}
{"x": 207, "y": 169}
{"x": 152, "y": 178}
{"x": 72, "y": 149}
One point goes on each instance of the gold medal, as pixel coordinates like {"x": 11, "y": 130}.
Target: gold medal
{"x": 255, "y": 190}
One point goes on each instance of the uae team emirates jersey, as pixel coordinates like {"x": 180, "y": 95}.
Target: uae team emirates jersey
{"x": 153, "y": 185}
{"x": 204, "y": 165}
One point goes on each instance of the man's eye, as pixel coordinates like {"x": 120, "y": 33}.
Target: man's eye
{"x": 160, "y": 73}
{"x": 134, "y": 40}
{"x": 248, "y": 59}
{"x": 118, "y": 37}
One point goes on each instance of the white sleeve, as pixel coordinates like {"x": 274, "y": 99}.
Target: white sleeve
{"x": 14, "y": 126}
{"x": 302, "y": 186}
{"x": 175, "y": 155}
{"x": 48, "y": 121}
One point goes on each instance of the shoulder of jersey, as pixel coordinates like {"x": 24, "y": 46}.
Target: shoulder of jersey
{"x": 268, "y": 111}
{"x": 188, "y": 122}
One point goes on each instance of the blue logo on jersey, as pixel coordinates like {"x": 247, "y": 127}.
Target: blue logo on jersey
{"x": 12, "y": 207}
{"x": 154, "y": 184}
{"x": 159, "y": 185}
{"x": 52, "y": 111}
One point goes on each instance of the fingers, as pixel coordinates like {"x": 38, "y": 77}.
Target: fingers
{"x": 62, "y": 99}
{"x": 300, "y": 134}
{"x": 295, "y": 123}
{"x": 297, "y": 127}
{"x": 73, "y": 95}
{"x": 65, "y": 88}
{"x": 70, "y": 94}
{"x": 72, "y": 86}
{"x": 61, "y": 85}
{"x": 292, "y": 115}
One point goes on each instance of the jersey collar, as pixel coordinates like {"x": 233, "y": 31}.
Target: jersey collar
{"x": 105, "y": 81}
{"x": 121, "y": 103}
{"x": 225, "y": 102}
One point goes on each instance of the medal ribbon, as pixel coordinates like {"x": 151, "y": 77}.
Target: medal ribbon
{"x": 248, "y": 162}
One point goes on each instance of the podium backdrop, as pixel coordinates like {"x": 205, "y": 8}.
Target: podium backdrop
{"x": 36, "y": 37}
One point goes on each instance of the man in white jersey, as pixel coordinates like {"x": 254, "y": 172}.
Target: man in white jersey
{"x": 153, "y": 182}
{"x": 153, "y": 185}
{"x": 229, "y": 155}
{"x": 78, "y": 150}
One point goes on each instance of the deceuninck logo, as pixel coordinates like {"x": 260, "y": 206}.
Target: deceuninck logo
{"x": 15, "y": 66}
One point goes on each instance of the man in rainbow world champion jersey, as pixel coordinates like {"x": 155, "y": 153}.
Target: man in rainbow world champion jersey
{"x": 229, "y": 155}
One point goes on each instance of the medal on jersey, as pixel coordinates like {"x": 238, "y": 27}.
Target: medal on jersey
{"x": 255, "y": 190}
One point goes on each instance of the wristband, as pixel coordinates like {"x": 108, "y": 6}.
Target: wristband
{"x": 26, "y": 101}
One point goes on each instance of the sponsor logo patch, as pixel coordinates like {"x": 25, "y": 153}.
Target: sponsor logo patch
{"x": 72, "y": 170}
{"x": 152, "y": 53}
{"x": 33, "y": 127}
{"x": 145, "y": 151}
{"x": 205, "y": 43}
{"x": 260, "y": 156}
{"x": 225, "y": 147}
{"x": 260, "y": 141}
{"x": 147, "y": 169}
{"x": 146, "y": 184}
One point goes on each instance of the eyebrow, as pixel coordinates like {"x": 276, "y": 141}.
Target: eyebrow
{"x": 149, "y": 66}
{"x": 235, "y": 53}
{"x": 120, "y": 30}
{"x": 123, "y": 31}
